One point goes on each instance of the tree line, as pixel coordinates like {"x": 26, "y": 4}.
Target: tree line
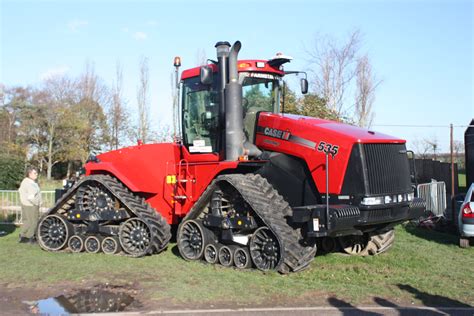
{"x": 65, "y": 119}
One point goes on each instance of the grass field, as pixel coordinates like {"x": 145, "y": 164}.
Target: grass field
{"x": 423, "y": 267}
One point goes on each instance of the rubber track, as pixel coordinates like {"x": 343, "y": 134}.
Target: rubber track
{"x": 273, "y": 210}
{"x": 160, "y": 228}
{"x": 379, "y": 243}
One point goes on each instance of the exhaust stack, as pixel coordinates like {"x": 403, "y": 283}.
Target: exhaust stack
{"x": 234, "y": 126}
{"x": 230, "y": 91}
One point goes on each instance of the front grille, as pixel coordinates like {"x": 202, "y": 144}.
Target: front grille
{"x": 387, "y": 168}
{"x": 376, "y": 169}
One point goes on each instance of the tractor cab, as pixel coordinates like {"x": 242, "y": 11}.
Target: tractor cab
{"x": 206, "y": 99}
{"x": 201, "y": 107}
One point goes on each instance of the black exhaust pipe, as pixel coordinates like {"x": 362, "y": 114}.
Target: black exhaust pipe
{"x": 222, "y": 60}
{"x": 234, "y": 129}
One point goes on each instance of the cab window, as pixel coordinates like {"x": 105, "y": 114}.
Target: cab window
{"x": 200, "y": 116}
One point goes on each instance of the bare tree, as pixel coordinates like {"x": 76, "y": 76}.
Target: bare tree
{"x": 143, "y": 102}
{"x": 334, "y": 69}
{"x": 201, "y": 58}
{"x": 93, "y": 98}
{"x": 422, "y": 148}
{"x": 47, "y": 118}
{"x": 91, "y": 87}
{"x": 117, "y": 114}
{"x": 366, "y": 84}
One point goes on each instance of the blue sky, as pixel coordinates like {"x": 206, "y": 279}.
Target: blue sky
{"x": 422, "y": 50}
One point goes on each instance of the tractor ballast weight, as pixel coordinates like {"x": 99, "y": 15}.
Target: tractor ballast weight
{"x": 248, "y": 185}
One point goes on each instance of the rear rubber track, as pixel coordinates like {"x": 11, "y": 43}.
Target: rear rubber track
{"x": 136, "y": 205}
{"x": 273, "y": 211}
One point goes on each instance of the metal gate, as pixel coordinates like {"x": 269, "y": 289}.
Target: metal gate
{"x": 434, "y": 194}
{"x": 10, "y": 206}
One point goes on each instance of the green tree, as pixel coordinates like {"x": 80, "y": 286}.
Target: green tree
{"x": 11, "y": 172}
{"x": 308, "y": 105}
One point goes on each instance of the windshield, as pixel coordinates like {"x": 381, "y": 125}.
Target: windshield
{"x": 260, "y": 92}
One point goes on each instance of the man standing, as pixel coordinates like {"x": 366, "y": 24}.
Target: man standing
{"x": 30, "y": 198}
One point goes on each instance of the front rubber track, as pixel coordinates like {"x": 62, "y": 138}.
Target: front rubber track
{"x": 273, "y": 211}
{"x": 136, "y": 205}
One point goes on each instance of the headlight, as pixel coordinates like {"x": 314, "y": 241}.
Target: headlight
{"x": 411, "y": 196}
{"x": 372, "y": 200}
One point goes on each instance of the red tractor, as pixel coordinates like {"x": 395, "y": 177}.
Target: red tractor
{"x": 248, "y": 185}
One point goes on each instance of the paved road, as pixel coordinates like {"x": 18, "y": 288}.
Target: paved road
{"x": 326, "y": 311}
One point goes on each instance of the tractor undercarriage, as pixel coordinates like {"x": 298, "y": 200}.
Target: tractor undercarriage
{"x": 100, "y": 214}
{"x": 241, "y": 221}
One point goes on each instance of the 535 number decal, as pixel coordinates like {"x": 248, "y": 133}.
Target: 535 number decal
{"x": 328, "y": 148}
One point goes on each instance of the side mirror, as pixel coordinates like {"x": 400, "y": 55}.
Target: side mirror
{"x": 304, "y": 86}
{"x": 206, "y": 75}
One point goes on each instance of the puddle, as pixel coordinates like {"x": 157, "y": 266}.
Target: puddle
{"x": 95, "y": 300}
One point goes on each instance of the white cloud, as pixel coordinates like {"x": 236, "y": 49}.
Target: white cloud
{"x": 75, "y": 24}
{"x": 53, "y": 72}
{"x": 140, "y": 36}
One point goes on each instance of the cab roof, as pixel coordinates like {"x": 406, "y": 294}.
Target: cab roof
{"x": 256, "y": 65}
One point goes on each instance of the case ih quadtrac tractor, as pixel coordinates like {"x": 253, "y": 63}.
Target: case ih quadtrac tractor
{"x": 248, "y": 186}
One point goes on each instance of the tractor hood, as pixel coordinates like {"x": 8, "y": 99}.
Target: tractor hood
{"x": 310, "y": 139}
{"x": 312, "y": 129}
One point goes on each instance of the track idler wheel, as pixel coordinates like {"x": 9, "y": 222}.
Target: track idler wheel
{"x": 92, "y": 244}
{"x": 242, "y": 258}
{"x": 135, "y": 237}
{"x": 110, "y": 245}
{"x": 192, "y": 239}
{"x": 210, "y": 253}
{"x": 53, "y": 232}
{"x": 76, "y": 243}
{"x": 264, "y": 249}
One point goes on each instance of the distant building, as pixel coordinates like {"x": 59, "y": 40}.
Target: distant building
{"x": 469, "y": 150}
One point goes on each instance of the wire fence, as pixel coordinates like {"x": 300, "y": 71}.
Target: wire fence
{"x": 10, "y": 206}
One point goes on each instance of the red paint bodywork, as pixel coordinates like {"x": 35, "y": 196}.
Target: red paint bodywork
{"x": 317, "y": 130}
{"x": 144, "y": 168}
{"x": 243, "y": 65}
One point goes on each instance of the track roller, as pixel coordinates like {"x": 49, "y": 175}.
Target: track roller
{"x": 242, "y": 258}
{"x": 210, "y": 253}
{"x": 53, "y": 232}
{"x": 92, "y": 244}
{"x": 264, "y": 249}
{"x": 110, "y": 245}
{"x": 135, "y": 237}
{"x": 192, "y": 238}
{"x": 76, "y": 243}
{"x": 226, "y": 255}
